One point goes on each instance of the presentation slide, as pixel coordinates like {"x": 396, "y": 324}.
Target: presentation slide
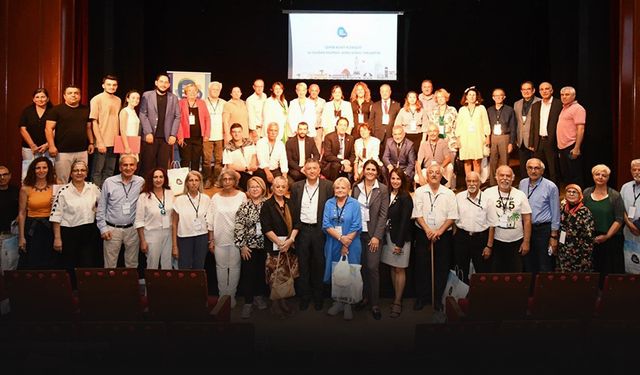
{"x": 335, "y": 46}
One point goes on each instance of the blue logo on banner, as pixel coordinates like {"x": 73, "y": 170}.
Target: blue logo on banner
{"x": 342, "y": 33}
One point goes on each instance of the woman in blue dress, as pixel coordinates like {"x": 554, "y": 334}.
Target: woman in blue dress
{"x": 342, "y": 223}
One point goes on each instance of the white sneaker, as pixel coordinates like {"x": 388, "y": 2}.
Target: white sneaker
{"x": 348, "y": 313}
{"x": 260, "y": 302}
{"x": 246, "y": 311}
{"x": 335, "y": 308}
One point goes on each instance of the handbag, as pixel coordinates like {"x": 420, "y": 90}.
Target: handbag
{"x": 455, "y": 287}
{"x": 177, "y": 178}
{"x": 351, "y": 292}
{"x": 9, "y": 254}
{"x": 282, "y": 288}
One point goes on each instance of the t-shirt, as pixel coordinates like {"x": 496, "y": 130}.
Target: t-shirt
{"x": 104, "y": 108}
{"x": 71, "y": 127}
{"x": 35, "y": 125}
{"x": 505, "y": 213}
{"x": 8, "y": 207}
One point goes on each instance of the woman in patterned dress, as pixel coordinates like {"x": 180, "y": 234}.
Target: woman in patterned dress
{"x": 576, "y": 233}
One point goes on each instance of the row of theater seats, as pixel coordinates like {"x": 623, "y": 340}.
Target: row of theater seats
{"x": 499, "y": 297}
{"x": 112, "y": 295}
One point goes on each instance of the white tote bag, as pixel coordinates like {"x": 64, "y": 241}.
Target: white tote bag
{"x": 346, "y": 288}
{"x": 177, "y": 178}
{"x": 455, "y": 287}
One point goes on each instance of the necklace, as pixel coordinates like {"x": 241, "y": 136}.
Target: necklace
{"x": 41, "y": 189}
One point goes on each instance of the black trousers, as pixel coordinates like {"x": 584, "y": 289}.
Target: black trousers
{"x": 443, "y": 260}
{"x": 549, "y": 155}
{"x": 506, "y": 256}
{"x": 310, "y": 250}
{"x": 157, "y": 154}
{"x": 524, "y": 154}
{"x": 191, "y": 153}
{"x": 468, "y": 247}
{"x": 608, "y": 257}
{"x": 79, "y": 246}
{"x": 39, "y": 253}
{"x": 252, "y": 275}
{"x": 571, "y": 169}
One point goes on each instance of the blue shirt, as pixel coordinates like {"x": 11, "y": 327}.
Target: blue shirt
{"x": 544, "y": 200}
{"x": 114, "y": 200}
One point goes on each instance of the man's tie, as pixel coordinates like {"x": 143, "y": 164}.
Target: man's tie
{"x": 386, "y": 107}
{"x": 341, "y": 146}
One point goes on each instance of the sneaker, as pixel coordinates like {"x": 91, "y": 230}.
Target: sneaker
{"x": 246, "y": 311}
{"x": 348, "y": 313}
{"x": 335, "y": 308}
{"x": 260, "y": 303}
{"x": 233, "y": 302}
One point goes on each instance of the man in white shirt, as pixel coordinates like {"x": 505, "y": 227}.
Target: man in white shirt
{"x": 510, "y": 220}
{"x": 319, "y": 103}
{"x": 472, "y": 226}
{"x": 630, "y": 193}
{"x": 254, "y": 105}
{"x": 302, "y": 109}
{"x": 213, "y": 145}
{"x": 435, "y": 211}
{"x": 272, "y": 157}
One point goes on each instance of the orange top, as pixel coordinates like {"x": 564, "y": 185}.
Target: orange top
{"x": 39, "y": 202}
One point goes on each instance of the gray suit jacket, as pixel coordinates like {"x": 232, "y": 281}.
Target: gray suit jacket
{"x": 523, "y": 129}
{"x": 378, "y": 206}
{"x": 149, "y": 114}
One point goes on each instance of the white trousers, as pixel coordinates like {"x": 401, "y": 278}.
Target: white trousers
{"x": 159, "y": 241}
{"x": 227, "y": 269}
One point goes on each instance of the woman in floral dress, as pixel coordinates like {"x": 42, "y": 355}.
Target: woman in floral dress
{"x": 577, "y": 227}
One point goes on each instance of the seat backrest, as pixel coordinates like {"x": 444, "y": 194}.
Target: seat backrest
{"x": 109, "y": 294}
{"x": 39, "y": 295}
{"x": 620, "y": 297}
{"x": 564, "y": 295}
{"x": 498, "y": 296}
{"x": 176, "y": 295}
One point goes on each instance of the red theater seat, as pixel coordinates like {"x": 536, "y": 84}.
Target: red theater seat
{"x": 109, "y": 294}
{"x": 40, "y": 295}
{"x": 181, "y": 295}
{"x": 564, "y": 296}
{"x": 620, "y": 298}
{"x": 492, "y": 297}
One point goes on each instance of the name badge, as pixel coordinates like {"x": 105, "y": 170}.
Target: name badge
{"x": 360, "y": 118}
{"x": 192, "y": 120}
{"x": 471, "y": 128}
{"x": 413, "y": 125}
{"x": 503, "y": 222}
{"x": 126, "y": 208}
{"x": 497, "y": 129}
{"x": 632, "y": 212}
{"x": 431, "y": 219}
{"x": 563, "y": 237}
{"x": 365, "y": 214}
{"x": 258, "y": 228}
{"x": 166, "y": 222}
{"x": 524, "y": 119}
{"x": 197, "y": 224}
{"x": 385, "y": 119}
{"x": 440, "y": 129}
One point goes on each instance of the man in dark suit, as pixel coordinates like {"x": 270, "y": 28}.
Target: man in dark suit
{"x": 160, "y": 119}
{"x": 544, "y": 121}
{"x": 399, "y": 152}
{"x": 299, "y": 149}
{"x": 308, "y": 198}
{"x": 383, "y": 115}
{"x": 339, "y": 153}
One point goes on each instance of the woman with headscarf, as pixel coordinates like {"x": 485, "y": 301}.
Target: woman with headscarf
{"x": 577, "y": 227}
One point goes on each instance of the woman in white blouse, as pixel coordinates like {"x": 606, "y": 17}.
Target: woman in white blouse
{"x": 334, "y": 109}
{"x": 129, "y": 121}
{"x": 275, "y": 110}
{"x": 366, "y": 148}
{"x": 153, "y": 220}
{"x": 73, "y": 216}
{"x": 189, "y": 229}
{"x": 410, "y": 117}
{"x": 221, "y": 220}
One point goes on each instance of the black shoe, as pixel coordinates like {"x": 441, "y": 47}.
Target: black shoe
{"x": 304, "y": 304}
{"x": 377, "y": 315}
{"x": 360, "y": 305}
{"x": 318, "y": 305}
{"x": 419, "y": 305}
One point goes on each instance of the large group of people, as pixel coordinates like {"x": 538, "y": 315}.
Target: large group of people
{"x": 301, "y": 184}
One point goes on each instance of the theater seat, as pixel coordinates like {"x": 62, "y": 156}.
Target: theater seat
{"x": 558, "y": 296}
{"x": 492, "y": 297}
{"x": 109, "y": 294}
{"x": 620, "y": 298}
{"x": 40, "y": 295}
{"x": 181, "y": 295}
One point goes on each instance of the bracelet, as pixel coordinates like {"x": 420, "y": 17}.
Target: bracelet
{"x": 340, "y": 239}
{"x": 90, "y": 143}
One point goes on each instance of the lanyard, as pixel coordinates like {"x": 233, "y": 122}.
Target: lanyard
{"x": 504, "y": 205}
{"x": 432, "y": 201}
{"x": 271, "y": 148}
{"x": 215, "y": 109}
{"x": 314, "y": 192}
{"x": 161, "y": 203}
{"x": 340, "y": 211}
{"x": 433, "y": 149}
{"x": 498, "y": 113}
{"x": 367, "y": 194}
{"x": 530, "y": 191}
{"x": 395, "y": 198}
{"x": 479, "y": 204}
{"x": 283, "y": 105}
{"x": 193, "y": 205}
{"x": 635, "y": 197}
{"x": 126, "y": 192}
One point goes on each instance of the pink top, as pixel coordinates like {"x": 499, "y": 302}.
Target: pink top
{"x": 572, "y": 114}
{"x": 203, "y": 115}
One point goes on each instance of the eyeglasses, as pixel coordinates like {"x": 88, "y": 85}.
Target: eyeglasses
{"x": 534, "y": 168}
{"x": 572, "y": 192}
{"x": 5, "y": 174}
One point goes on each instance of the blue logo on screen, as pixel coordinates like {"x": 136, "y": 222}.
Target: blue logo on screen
{"x": 342, "y": 33}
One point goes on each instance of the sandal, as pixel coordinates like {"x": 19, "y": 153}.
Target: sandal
{"x": 396, "y": 310}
